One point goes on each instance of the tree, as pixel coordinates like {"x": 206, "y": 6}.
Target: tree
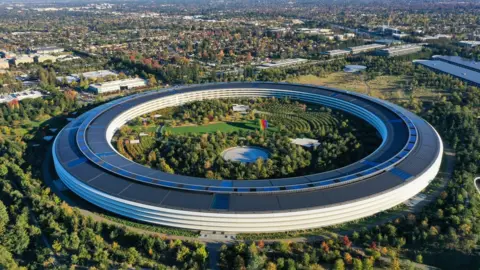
{"x": 132, "y": 255}
{"x": 182, "y": 253}
{"x": 6, "y": 259}
{"x": 419, "y": 258}
{"x": 4, "y": 219}
{"x": 165, "y": 167}
{"x": 339, "y": 265}
{"x": 347, "y": 242}
{"x": 239, "y": 263}
{"x": 152, "y": 81}
{"x": 271, "y": 266}
{"x": 348, "y": 258}
{"x": 357, "y": 264}
{"x": 395, "y": 264}
{"x": 57, "y": 246}
{"x": 201, "y": 254}
{"x": 367, "y": 264}
{"x": 315, "y": 266}
{"x": 3, "y": 170}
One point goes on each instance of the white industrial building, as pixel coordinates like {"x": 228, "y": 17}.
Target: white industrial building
{"x": 282, "y": 63}
{"x": 334, "y": 53}
{"x": 4, "y": 64}
{"x": 95, "y": 74}
{"x": 23, "y": 59}
{"x": 408, "y": 164}
{"x": 315, "y": 31}
{"x": 366, "y": 48}
{"x": 399, "y": 50}
{"x": 107, "y": 87}
{"x": 469, "y": 43}
{"x": 44, "y": 57}
{"x": 20, "y": 95}
{"x": 48, "y": 50}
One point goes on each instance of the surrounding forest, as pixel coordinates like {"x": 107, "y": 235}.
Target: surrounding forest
{"x": 31, "y": 215}
{"x": 444, "y": 234}
{"x": 343, "y": 139}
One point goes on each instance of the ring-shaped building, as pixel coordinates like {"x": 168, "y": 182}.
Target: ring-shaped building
{"x": 408, "y": 158}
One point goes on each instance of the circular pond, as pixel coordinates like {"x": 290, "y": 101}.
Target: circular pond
{"x": 245, "y": 154}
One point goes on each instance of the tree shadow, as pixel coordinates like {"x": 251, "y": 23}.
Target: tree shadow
{"x": 241, "y": 125}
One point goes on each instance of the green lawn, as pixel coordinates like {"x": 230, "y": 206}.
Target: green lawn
{"x": 226, "y": 127}
{"x": 385, "y": 87}
{"x": 148, "y": 129}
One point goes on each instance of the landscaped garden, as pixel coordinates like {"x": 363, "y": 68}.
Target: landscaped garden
{"x": 192, "y": 139}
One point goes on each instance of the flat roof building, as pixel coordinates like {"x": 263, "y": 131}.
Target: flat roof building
{"x": 366, "y": 48}
{"x": 6, "y": 54}
{"x": 468, "y": 75}
{"x": 67, "y": 79}
{"x": 315, "y": 31}
{"x": 20, "y": 95}
{"x": 469, "y": 43}
{"x": 95, "y": 74}
{"x": 354, "y": 68}
{"x": 438, "y": 36}
{"x": 119, "y": 85}
{"x": 45, "y": 57}
{"x": 459, "y": 61}
{"x": 399, "y": 50}
{"x": 48, "y": 50}
{"x": 399, "y": 35}
{"x": 23, "y": 59}
{"x": 388, "y": 42}
{"x": 335, "y": 53}
{"x": 282, "y": 63}
{"x": 4, "y": 64}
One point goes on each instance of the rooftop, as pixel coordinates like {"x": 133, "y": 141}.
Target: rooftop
{"x": 459, "y": 61}
{"x": 96, "y": 74}
{"x": 367, "y": 46}
{"x": 118, "y": 82}
{"x": 401, "y": 48}
{"x": 457, "y": 71}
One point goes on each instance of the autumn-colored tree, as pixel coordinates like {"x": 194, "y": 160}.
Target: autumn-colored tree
{"x": 70, "y": 95}
{"x": 348, "y": 258}
{"x": 249, "y": 57}
{"x": 14, "y": 104}
{"x": 261, "y": 244}
{"x": 220, "y": 56}
{"x": 347, "y": 241}
{"x": 325, "y": 247}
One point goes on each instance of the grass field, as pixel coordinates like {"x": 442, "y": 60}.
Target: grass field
{"x": 147, "y": 129}
{"x": 226, "y": 127}
{"x": 384, "y": 87}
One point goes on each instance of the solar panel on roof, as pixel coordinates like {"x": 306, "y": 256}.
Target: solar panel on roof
{"x": 221, "y": 201}
{"x": 76, "y": 162}
{"x": 226, "y": 184}
{"x": 410, "y": 146}
{"x": 143, "y": 178}
{"x": 106, "y": 154}
{"x": 395, "y": 121}
{"x": 270, "y": 189}
{"x": 371, "y": 163}
{"x": 323, "y": 183}
{"x": 224, "y": 189}
{"x": 402, "y": 174}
